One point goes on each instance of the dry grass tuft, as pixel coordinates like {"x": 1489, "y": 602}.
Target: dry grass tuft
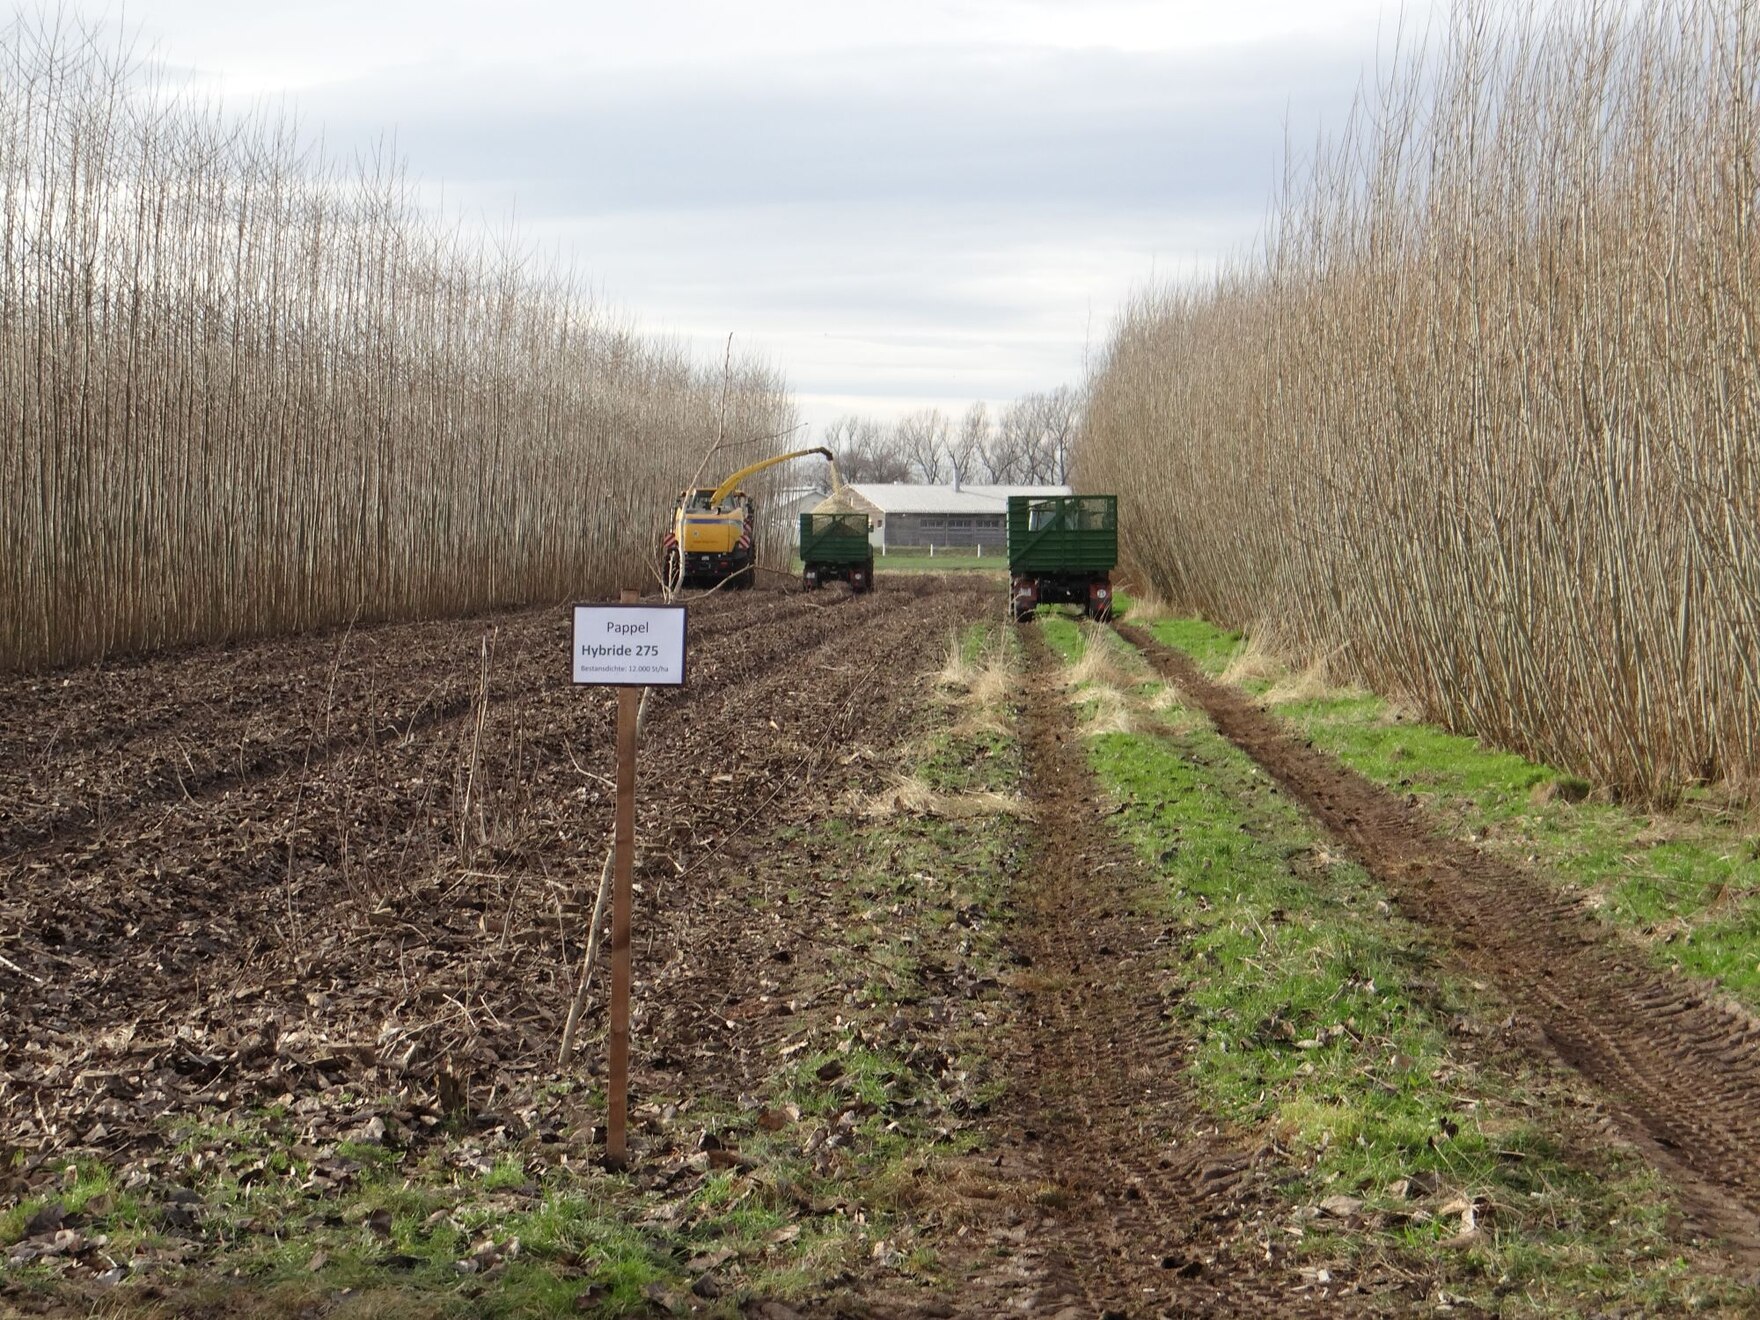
{"x": 995, "y": 684}
{"x": 965, "y": 1190}
{"x": 1104, "y": 682}
{"x": 910, "y": 795}
{"x": 1108, "y": 710}
{"x": 1038, "y": 981}
{"x": 1105, "y": 662}
{"x": 1312, "y": 683}
{"x": 957, "y": 672}
{"x": 979, "y": 688}
{"x": 1167, "y": 701}
{"x": 1146, "y": 607}
{"x": 1253, "y": 662}
{"x": 1400, "y": 708}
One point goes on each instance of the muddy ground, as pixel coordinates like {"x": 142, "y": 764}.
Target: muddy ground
{"x": 348, "y": 875}
{"x": 1159, "y": 1210}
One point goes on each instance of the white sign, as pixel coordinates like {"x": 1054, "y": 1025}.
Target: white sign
{"x": 629, "y": 645}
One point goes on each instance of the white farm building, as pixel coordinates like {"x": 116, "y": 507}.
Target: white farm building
{"x": 956, "y": 517}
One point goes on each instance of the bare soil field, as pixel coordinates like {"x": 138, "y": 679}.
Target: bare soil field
{"x": 261, "y": 871}
{"x": 343, "y": 880}
{"x": 347, "y": 877}
{"x": 288, "y": 932}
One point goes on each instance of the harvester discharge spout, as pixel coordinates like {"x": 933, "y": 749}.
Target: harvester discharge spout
{"x": 712, "y": 538}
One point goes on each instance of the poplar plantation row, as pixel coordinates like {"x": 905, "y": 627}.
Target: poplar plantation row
{"x": 1478, "y": 425}
{"x": 247, "y": 390}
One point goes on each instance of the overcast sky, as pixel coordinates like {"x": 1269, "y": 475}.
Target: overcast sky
{"x": 900, "y": 204}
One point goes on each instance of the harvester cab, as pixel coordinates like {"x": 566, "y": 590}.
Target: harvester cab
{"x": 712, "y": 539}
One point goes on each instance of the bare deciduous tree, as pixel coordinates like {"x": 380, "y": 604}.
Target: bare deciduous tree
{"x": 966, "y": 451}
{"x": 1004, "y": 457}
{"x": 865, "y": 452}
{"x": 1057, "y": 416}
{"x": 1037, "y": 436}
{"x": 922, "y": 438}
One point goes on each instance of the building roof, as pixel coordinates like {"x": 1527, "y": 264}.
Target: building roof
{"x": 945, "y": 499}
{"x": 793, "y": 503}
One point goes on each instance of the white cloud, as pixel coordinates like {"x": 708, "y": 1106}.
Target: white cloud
{"x": 930, "y": 200}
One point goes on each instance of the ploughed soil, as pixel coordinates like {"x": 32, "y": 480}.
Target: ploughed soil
{"x": 1680, "y": 1071}
{"x": 259, "y": 873}
{"x": 347, "y": 878}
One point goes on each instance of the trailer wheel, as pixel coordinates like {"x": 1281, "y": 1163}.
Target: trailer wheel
{"x": 861, "y": 578}
{"x": 810, "y": 580}
{"x": 1099, "y": 604}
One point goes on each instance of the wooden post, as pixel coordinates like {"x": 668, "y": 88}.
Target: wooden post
{"x": 632, "y": 647}
{"x": 622, "y": 899}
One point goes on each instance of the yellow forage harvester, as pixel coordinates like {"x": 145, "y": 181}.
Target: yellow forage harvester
{"x": 711, "y": 540}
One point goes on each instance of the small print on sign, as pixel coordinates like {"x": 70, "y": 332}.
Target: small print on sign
{"x": 629, "y": 645}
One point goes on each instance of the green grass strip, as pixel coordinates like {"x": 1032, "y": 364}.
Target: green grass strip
{"x": 1322, "y": 1019}
{"x": 1686, "y": 881}
{"x": 1210, "y": 647}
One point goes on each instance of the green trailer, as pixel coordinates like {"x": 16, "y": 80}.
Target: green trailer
{"x": 1062, "y": 550}
{"x": 834, "y": 547}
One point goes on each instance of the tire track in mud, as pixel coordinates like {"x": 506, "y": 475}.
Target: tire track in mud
{"x": 1149, "y": 1194}
{"x": 1683, "y": 1073}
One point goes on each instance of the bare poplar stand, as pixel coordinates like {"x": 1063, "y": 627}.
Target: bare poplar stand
{"x": 631, "y": 646}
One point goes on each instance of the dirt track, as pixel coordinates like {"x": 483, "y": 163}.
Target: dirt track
{"x": 1682, "y": 1073}
{"x": 1154, "y": 1201}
